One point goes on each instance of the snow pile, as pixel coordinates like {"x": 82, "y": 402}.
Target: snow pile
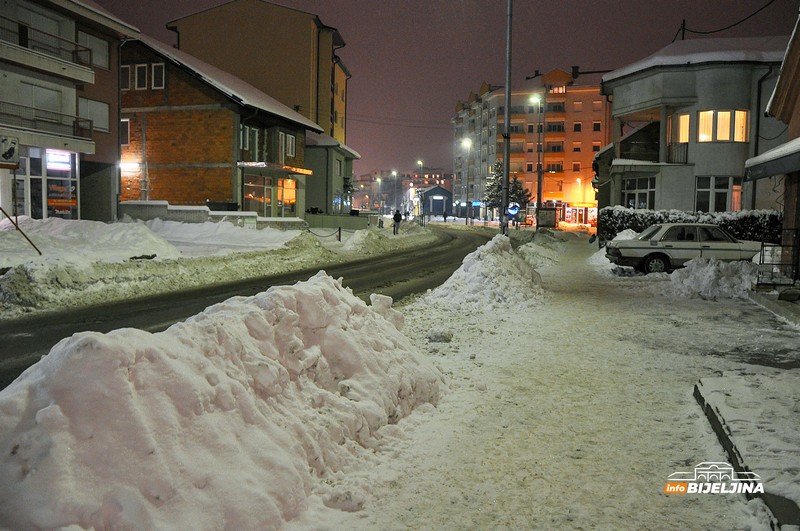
{"x": 64, "y": 283}
{"x": 78, "y": 242}
{"x": 218, "y": 238}
{"x": 539, "y": 254}
{"x": 235, "y": 419}
{"x": 493, "y": 277}
{"x": 599, "y": 258}
{"x": 382, "y": 241}
{"x": 713, "y": 279}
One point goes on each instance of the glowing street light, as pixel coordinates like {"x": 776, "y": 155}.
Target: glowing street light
{"x": 466, "y": 143}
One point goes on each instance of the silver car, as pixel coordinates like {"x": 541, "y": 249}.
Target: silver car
{"x": 667, "y": 246}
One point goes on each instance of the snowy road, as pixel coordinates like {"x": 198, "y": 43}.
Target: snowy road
{"x": 572, "y": 415}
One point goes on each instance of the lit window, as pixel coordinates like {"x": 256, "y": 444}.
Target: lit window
{"x": 683, "y": 128}
{"x": 724, "y": 126}
{"x": 705, "y": 126}
{"x": 740, "y": 127}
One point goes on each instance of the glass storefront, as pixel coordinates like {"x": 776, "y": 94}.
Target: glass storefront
{"x": 270, "y": 196}
{"x": 46, "y": 184}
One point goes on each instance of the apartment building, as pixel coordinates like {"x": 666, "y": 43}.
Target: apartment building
{"x": 286, "y": 53}
{"x": 686, "y": 119}
{"x": 59, "y": 95}
{"x": 557, "y": 123}
{"x": 195, "y": 135}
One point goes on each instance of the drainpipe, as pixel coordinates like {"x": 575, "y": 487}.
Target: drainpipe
{"x": 759, "y": 91}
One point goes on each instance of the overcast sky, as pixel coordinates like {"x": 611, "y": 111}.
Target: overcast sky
{"x": 413, "y": 60}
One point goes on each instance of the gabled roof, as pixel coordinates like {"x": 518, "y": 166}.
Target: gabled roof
{"x": 700, "y": 51}
{"x": 97, "y": 13}
{"x": 231, "y": 86}
{"x": 323, "y": 140}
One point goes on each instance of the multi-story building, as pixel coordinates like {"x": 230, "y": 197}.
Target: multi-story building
{"x": 286, "y": 53}
{"x": 556, "y": 124}
{"x": 685, "y": 121}
{"x": 390, "y": 190}
{"x": 196, "y": 135}
{"x": 59, "y": 96}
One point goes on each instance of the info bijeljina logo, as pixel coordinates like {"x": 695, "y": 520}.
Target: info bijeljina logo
{"x": 713, "y": 477}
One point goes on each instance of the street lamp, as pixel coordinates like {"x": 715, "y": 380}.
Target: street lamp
{"x": 380, "y": 197}
{"x": 539, "y": 147}
{"x": 394, "y": 190}
{"x": 466, "y": 143}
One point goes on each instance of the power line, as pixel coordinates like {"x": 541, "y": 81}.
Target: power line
{"x": 683, "y": 27}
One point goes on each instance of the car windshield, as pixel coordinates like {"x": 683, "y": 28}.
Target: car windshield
{"x": 648, "y": 232}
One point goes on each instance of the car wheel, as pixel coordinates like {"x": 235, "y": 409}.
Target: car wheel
{"x": 656, "y": 263}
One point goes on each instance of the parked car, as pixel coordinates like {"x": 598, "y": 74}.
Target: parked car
{"x": 667, "y": 246}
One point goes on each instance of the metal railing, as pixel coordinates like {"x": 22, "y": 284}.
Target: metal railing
{"x": 52, "y": 122}
{"x": 23, "y": 35}
{"x": 779, "y": 264}
{"x": 678, "y": 153}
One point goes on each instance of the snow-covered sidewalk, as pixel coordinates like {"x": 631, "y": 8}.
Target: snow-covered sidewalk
{"x": 571, "y": 413}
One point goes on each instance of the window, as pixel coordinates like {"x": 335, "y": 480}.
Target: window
{"x": 140, "y": 73}
{"x": 244, "y": 137}
{"x": 722, "y": 126}
{"x": 40, "y": 98}
{"x": 555, "y": 147}
{"x": 125, "y": 77}
{"x": 529, "y": 167}
{"x": 158, "y": 76}
{"x": 718, "y": 194}
{"x": 576, "y": 147}
{"x": 555, "y": 127}
{"x": 529, "y": 147}
{"x": 96, "y": 111}
{"x": 595, "y": 147}
{"x": 639, "y": 192}
{"x": 98, "y": 46}
{"x": 125, "y": 132}
{"x": 576, "y": 127}
{"x": 683, "y": 128}
{"x": 554, "y": 167}
{"x": 290, "y": 145}
{"x": 597, "y": 105}
{"x": 531, "y": 128}
{"x": 577, "y": 106}
{"x": 576, "y": 166}
{"x": 595, "y": 126}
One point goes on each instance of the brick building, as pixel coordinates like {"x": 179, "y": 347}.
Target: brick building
{"x": 195, "y": 135}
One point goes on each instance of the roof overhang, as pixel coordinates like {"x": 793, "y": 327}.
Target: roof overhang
{"x": 781, "y": 160}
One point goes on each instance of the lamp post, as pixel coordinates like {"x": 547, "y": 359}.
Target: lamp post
{"x": 539, "y": 147}
{"x": 380, "y": 197}
{"x": 420, "y": 204}
{"x": 394, "y": 190}
{"x": 466, "y": 143}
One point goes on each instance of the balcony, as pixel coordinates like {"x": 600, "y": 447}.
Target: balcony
{"x": 14, "y": 115}
{"x": 50, "y": 53}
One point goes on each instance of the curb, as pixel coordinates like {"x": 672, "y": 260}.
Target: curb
{"x": 782, "y": 511}
{"x": 788, "y": 310}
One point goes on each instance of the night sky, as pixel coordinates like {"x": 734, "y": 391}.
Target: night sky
{"x": 413, "y": 60}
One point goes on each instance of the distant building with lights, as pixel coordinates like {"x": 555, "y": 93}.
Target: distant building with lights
{"x": 389, "y": 190}
{"x": 558, "y": 121}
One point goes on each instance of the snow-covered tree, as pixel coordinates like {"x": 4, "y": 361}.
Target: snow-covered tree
{"x": 494, "y": 189}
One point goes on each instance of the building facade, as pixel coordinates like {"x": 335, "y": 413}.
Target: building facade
{"x": 59, "y": 109}
{"x": 685, "y": 121}
{"x": 300, "y": 68}
{"x": 195, "y": 135}
{"x": 557, "y": 123}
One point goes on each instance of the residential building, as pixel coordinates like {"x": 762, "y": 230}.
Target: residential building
{"x": 59, "y": 95}
{"x": 327, "y": 156}
{"x": 196, "y": 135}
{"x": 685, "y": 121}
{"x": 286, "y": 53}
{"x": 556, "y": 124}
{"x": 781, "y": 165}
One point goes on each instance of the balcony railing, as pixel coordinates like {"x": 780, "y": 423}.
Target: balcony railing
{"x": 23, "y": 35}
{"x": 678, "y": 153}
{"x": 48, "y": 121}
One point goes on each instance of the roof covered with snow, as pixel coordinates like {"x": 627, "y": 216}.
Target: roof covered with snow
{"x": 700, "y": 51}
{"x": 228, "y": 84}
{"x": 323, "y": 140}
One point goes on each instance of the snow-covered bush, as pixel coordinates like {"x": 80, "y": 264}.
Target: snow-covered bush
{"x": 757, "y": 225}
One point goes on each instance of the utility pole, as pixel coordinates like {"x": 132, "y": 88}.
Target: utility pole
{"x": 506, "y": 126}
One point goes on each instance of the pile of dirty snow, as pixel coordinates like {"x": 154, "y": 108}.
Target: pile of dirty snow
{"x": 238, "y": 418}
{"x": 713, "y": 279}
{"x": 493, "y": 277}
{"x": 78, "y": 242}
{"x": 381, "y": 241}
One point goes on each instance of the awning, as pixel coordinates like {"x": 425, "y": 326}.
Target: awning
{"x": 781, "y": 160}
{"x": 275, "y": 167}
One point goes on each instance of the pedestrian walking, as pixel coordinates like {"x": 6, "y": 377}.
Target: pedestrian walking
{"x": 397, "y": 219}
